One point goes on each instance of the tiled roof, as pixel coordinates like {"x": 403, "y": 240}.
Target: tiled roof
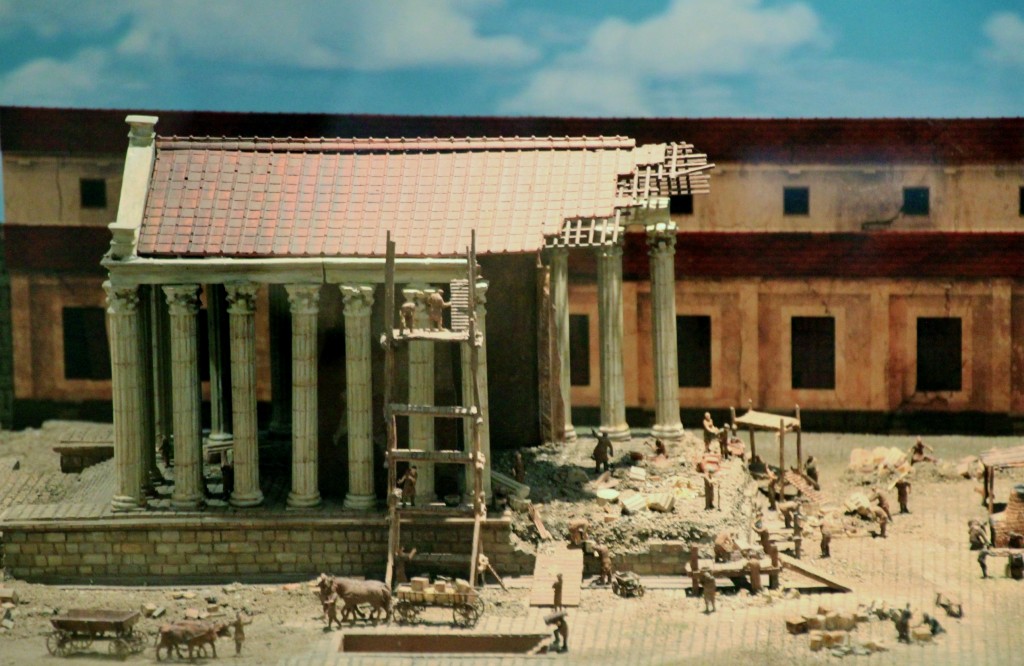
{"x": 339, "y": 197}
{"x": 55, "y": 248}
{"x": 884, "y": 254}
{"x": 751, "y": 140}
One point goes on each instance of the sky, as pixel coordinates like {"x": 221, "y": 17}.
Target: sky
{"x": 645, "y": 58}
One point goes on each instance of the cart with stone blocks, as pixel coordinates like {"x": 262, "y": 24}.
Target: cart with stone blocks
{"x": 77, "y": 630}
{"x": 413, "y": 598}
{"x": 627, "y": 584}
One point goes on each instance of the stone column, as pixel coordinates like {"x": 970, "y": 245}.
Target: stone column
{"x": 125, "y": 362}
{"x": 421, "y": 392}
{"x": 305, "y": 303}
{"x": 183, "y": 304}
{"x": 560, "y": 296}
{"x": 662, "y": 250}
{"x": 609, "y": 314}
{"x": 220, "y": 396}
{"x": 246, "y": 458}
{"x": 467, "y": 391}
{"x": 280, "y": 365}
{"x": 358, "y": 301}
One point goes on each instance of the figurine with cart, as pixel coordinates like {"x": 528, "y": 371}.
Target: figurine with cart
{"x": 413, "y": 598}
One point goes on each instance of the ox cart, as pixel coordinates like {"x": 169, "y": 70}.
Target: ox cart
{"x": 77, "y": 630}
{"x": 465, "y": 602}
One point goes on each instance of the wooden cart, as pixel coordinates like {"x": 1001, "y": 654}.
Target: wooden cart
{"x": 466, "y": 604}
{"x": 76, "y": 631}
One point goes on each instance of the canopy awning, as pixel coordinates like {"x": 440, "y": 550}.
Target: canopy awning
{"x": 755, "y": 420}
{"x": 1012, "y": 457}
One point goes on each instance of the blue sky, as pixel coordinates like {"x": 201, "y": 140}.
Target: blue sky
{"x": 749, "y": 58}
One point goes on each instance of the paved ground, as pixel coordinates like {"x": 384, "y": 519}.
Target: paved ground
{"x": 925, "y": 552}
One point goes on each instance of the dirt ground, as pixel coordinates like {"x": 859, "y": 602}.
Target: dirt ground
{"x": 926, "y": 552}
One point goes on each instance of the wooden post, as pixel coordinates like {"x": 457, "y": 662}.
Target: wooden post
{"x": 773, "y": 577}
{"x": 782, "y": 459}
{"x": 694, "y": 570}
{"x": 799, "y": 449}
{"x": 755, "y": 575}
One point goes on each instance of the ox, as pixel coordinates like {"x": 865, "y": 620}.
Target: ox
{"x": 193, "y": 635}
{"x": 355, "y": 592}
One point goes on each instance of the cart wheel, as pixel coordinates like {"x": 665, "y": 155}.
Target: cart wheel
{"x": 137, "y": 643}
{"x": 119, "y": 648}
{"x": 467, "y": 614}
{"x": 57, "y": 644}
{"x": 615, "y": 587}
{"x": 406, "y": 612}
{"x": 80, "y": 642}
{"x": 640, "y": 590}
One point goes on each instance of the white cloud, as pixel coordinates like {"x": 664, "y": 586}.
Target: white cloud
{"x": 51, "y": 82}
{"x": 653, "y": 61}
{"x": 1005, "y": 32}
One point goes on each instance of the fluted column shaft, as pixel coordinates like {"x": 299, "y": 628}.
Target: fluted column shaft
{"x": 609, "y": 314}
{"x": 467, "y": 392}
{"x": 220, "y": 396}
{"x": 421, "y": 391}
{"x": 358, "y": 301}
{"x": 560, "y": 296}
{"x": 183, "y": 304}
{"x": 123, "y": 315}
{"x": 246, "y": 458}
{"x": 305, "y": 304}
{"x": 662, "y": 250}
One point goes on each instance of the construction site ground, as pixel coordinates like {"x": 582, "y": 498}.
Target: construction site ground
{"x": 926, "y": 552}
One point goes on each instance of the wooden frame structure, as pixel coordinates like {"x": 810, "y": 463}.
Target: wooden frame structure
{"x": 473, "y": 340}
{"x": 753, "y": 421}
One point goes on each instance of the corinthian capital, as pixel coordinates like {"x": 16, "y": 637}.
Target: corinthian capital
{"x": 304, "y": 298}
{"x": 182, "y": 298}
{"x": 241, "y": 298}
{"x": 358, "y": 299}
{"x": 121, "y": 299}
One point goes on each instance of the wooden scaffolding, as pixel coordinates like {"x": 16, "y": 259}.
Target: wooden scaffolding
{"x": 464, "y": 332}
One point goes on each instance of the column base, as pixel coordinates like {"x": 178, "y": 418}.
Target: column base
{"x": 296, "y": 501}
{"x": 121, "y": 503}
{"x": 187, "y": 503}
{"x": 671, "y": 431}
{"x": 251, "y": 499}
{"x": 359, "y": 502}
{"x": 570, "y": 433}
{"x": 617, "y": 433}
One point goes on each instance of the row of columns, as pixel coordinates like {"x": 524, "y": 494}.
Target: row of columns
{"x": 661, "y": 241}
{"x": 138, "y": 361}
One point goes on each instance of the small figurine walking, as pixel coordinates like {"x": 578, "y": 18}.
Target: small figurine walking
{"x": 710, "y": 589}
{"x": 407, "y": 312}
{"x": 518, "y": 467}
{"x": 402, "y": 557}
{"x": 330, "y": 606}
{"x": 723, "y": 441}
{"x": 933, "y": 625}
{"x": 903, "y": 493}
{"x": 882, "y": 502}
{"x": 709, "y": 492}
{"x": 710, "y": 432}
{"x": 605, "y": 554}
{"x": 882, "y": 518}
{"x": 917, "y": 454}
{"x": 772, "y": 493}
{"x": 560, "y": 637}
{"x": 826, "y": 542}
{"x": 787, "y": 509}
{"x": 435, "y": 309}
{"x": 578, "y": 531}
{"x": 982, "y": 557}
{"x": 240, "y": 633}
{"x": 408, "y": 484}
{"x": 557, "y": 588}
{"x": 902, "y": 622}
{"x": 603, "y": 451}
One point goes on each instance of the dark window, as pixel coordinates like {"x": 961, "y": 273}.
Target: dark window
{"x": 796, "y": 201}
{"x": 939, "y": 359}
{"x": 915, "y": 200}
{"x": 813, "y": 352}
{"x": 1021, "y": 202}
{"x": 693, "y": 346}
{"x": 86, "y": 350}
{"x": 203, "y": 345}
{"x": 680, "y": 204}
{"x": 94, "y": 192}
{"x": 579, "y": 350}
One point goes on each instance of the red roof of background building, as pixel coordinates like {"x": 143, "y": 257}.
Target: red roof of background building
{"x": 883, "y": 254}
{"x": 340, "y": 197}
{"x": 750, "y": 140}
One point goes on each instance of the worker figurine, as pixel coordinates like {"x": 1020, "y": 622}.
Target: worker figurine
{"x": 882, "y": 518}
{"x": 811, "y": 470}
{"x": 402, "y": 557}
{"x": 902, "y": 622}
{"x": 976, "y": 534}
{"x": 578, "y": 531}
{"x": 710, "y": 589}
{"x": 407, "y": 312}
{"x": 518, "y": 468}
{"x": 826, "y": 541}
{"x": 772, "y": 498}
{"x": 408, "y": 484}
{"x": 240, "y": 632}
{"x": 435, "y": 309}
{"x": 787, "y": 509}
{"x": 881, "y": 501}
{"x": 603, "y": 451}
{"x": 917, "y": 453}
{"x": 560, "y": 637}
{"x": 762, "y": 532}
{"x": 659, "y": 448}
{"x": 709, "y": 492}
{"x": 710, "y": 432}
{"x": 933, "y": 625}
{"x": 330, "y": 605}
{"x": 605, "y": 554}
{"x": 723, "y": 441}
{"x": 903, "y": 492}
{"x": 982, "y": 557}
{"x": 557, "y": 588}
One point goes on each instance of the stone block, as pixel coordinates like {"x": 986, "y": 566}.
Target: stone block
{"x": 836, "y": 638}
{"x": 816, "y": 640}
{"x": 815, "y": 622}
{"x": 796, "y": 625}
{"x": 921, "y": 634}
